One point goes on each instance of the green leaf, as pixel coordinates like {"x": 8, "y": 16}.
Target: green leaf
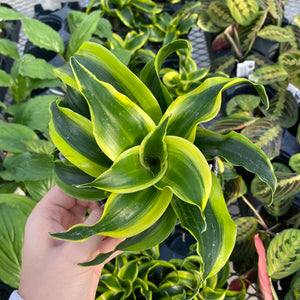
{"x": 27, "y": 166}
{"x": 127, "y": 175}
{"x": 9, "y": 48}
{"x": 150, "y": 74}
{"x": 294, "y": 162}
{"x": 39, "y": 188}
{"x": 276, "y": 33}
{"x": 8, "y": 14}
{"x": 83, "y": 32}
{"x": 14, "y": 211}
{"x": 68, "y": 177}
{"x": 5, "y": 79}
{"x": 124, "y": 215}
{"x": 269, "y": 74}
{"x": 16, "y": 137}
{"x": 35, "y": 112}
{"x": 42, "y": 35}
{"x": 220, "y": 14}
{"x": 188, "y": 173}
{"x": 202, "y": 105}
{"x": 238, "y": 150}
{"x": 104, "y": 28}
{"x": 152, "y": 236}
{"x": 290, "y": 61}
{"x": 107, "y": 68}
{"x": 118, "y": 123}
{"x": 73, "y": 136}
{"x": 283, "y": 254}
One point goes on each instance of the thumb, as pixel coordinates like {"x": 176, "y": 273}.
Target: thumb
{"x": 95, "y": 215}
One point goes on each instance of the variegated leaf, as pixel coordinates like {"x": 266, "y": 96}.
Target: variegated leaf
{"x": 266, "y": 135}
{"x": 269, "y": 74}
{"x": 66, "y": 129}
{"x": 238, "y": 150}
{"x": 220, "y": 14}
{"x": 288, "y": 185}
{"x": 294, "y": 162}
{"x": 124, "y": 215}
{"x": 243, "y": 11}
{"x": 234, "y": 189}
{"x": 118, "y": 123}
{"x": 205, "y": 23}
{"x": 277, "y": 33}
{"x": 188, "y": 173}
{"x": 294, "y": 44}
{"x": 137, "y": 176}
{"x": 290, "y": 61}
{"x": 283, "y": 254}
{"x": 244, "y": 102}
{"x": 224, "y": 64}
{"x": 235, "y": 122}
{"x": 283, "y": 109}
{"x": 202, "y": 105}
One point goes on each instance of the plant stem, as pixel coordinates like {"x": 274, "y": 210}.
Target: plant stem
{"x": 260, "y": 219}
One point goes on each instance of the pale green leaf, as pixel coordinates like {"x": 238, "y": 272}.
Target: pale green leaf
{"x": 9, "y": 48}
{"x": 9, "y": 14}
{"x": 5, "y": 79}
{"x": 39, "y": 188}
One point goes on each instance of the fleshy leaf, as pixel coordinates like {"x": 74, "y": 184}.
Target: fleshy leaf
{"x": 238, "y": 150}
{"x": 188, "y": 173}
{"x": 127, "y": 175}
{"x": 202, "y": 105}
{"x": 73, "y": 136}
{"x": 124, "y": 215}
{"x": 118, "y": 123}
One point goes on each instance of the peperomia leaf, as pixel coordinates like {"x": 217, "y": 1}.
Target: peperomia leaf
{"x": 73, "y": 135}
{"x": 238, "y": 150}
{"x": 188, "y": 173}
{"x": 136, "y": 176}
{"x": 42, "y": 35}
{"x": 283, "y": 254}
{"x": 118, "y": 123}
{"x": 14, "y": 211}
{"x": 125, "y": 215}
{"x": 201, "y": 105}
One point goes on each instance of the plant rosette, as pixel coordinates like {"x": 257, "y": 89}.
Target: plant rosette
{"x": 125, "y": 140}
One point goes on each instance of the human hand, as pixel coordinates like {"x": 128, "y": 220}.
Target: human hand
{"x": 50, "y": 267}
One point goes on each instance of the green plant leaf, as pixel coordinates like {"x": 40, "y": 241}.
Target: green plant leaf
{"x": 68, "y": 177}
{"x": 14, "y": 211}
{"x": 5, "y": 79}
{"x": 283, "y": 254}
{"x": 73, "y": 136}
{"x": 269, "y": 74}
{"x": 234, "y": 188}
{"x": 39, "y": 188}
{"x": 266, "y": 135}
{"x": 220, "y": 14}
{"x": 107, "y": 68}
{"x": 188, "y": 173}
{"x": 83, "y": 32}
{"x": 124, "y": 215}
{"x": 290, "y": 61}
{"x": 243, "y": 11}
{"x": 9, "y": 48}
{"x": 238, "y": 150}
{"x": 294, "y": 162}
{"x": 42, "y": 35}
{"x": 118, "y": 123}
{"x": 27, "y": 166}
{"x": 276, "y": 33}
{"x": 127, "y": 175}
{"x": 8, "y": 14}
{"x": 187, "y": 111}
{"x": 150, "y": 74}
{"x": 206, "y": 24}
{"x": 35, "y": 112}
{"x": 16, "y": 137}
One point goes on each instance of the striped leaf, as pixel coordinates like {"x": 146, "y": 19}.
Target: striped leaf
{"x": 269, "y": 74}
{"x": 234, "y": 188}
{"x": 118, "y": 123}
{"x": 266, "y": 135}
{"x": 243, "y": 11}
{"x": 283, "y": 109}
{"x": 220, "y": 14}
{"x": 206, "y": 24}
{"x": 224, "y": 64}
{"x": 202, "y": 105}
{"x": 294, "y": 162}
{"x": 125, "y": 215}
{"x": 188, "y": 173}
{"x": 66, "y": 129}
{"x": 127, "y": 174}
{"x": 244, "y": 102}
{"x": 238, "y": 150}
{"x": 288, "y": 184}
{"x": 283, "y": 254}
{"x": 290, "y": 61}
{"x": 235, "y": 122}
{"x": 277, "y": 33}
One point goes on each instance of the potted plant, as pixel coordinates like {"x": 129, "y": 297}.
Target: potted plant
{"x": 135, "y": 147}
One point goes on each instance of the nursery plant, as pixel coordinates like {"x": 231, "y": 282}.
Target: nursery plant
{"x": 137, "y": 149}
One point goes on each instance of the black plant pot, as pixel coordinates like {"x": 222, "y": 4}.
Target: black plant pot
{"x": 5, "y": 291}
